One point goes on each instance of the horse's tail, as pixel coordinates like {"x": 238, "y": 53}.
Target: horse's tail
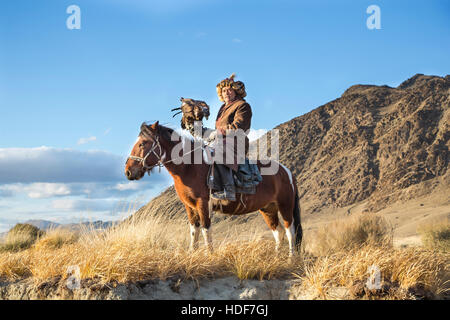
{"x": 297, "y": 222}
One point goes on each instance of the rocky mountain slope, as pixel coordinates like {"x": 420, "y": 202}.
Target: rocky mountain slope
{"x": 374, "y": 144}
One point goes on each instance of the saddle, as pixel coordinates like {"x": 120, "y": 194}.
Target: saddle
{"x": 245, "y": 179}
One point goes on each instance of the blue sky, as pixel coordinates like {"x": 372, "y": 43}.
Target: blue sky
{"x": 77, "y": 92}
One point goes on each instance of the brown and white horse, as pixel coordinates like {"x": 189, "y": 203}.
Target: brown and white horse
{"x": 276, "y": 193}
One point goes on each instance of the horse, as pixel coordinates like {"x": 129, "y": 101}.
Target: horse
{"x": 275, "y": 194}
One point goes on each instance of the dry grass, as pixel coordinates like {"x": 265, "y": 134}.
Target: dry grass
{"x": 403, "y": 272}
{"x": 21, "y": 236}
{"x": 436, "y": 235}
{"x": 152, "y": 248}
{"x": 157, "y": 248}
{"x": 56, "y": 238}
{"x": 350, "y": 232}
{"x": 345, "y": 250}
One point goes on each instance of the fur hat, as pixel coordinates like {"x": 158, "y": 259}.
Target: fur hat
{"x": 237, "y": 86}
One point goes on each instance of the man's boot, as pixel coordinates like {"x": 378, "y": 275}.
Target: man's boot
{"x": 229, "y": 192}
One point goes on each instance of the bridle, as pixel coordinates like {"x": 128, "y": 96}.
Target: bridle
{"x": 160, "y": 157}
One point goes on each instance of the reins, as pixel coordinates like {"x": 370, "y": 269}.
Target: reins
{"x": 160, "y": 156}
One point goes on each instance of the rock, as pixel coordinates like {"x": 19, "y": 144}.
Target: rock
{"x": 229, "y": 288}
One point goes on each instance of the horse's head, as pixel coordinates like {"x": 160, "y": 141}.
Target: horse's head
{"x": 146, "y": 153}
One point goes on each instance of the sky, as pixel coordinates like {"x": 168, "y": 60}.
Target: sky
{"x": 72, "y": 100}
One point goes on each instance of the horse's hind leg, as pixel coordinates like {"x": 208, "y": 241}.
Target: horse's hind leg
{"x": 270, "y": 216}
{"x": 278, "y": 235}
{"x": 286, "y": 214}
{"x": 290, "y": 233}
{"x": 205, "y": 222}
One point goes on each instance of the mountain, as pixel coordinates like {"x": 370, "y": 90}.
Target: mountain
{"x": 374, "y": 145}
{"x": 43, "y": 224}
{"x": 46, "y": 225}
{"x": 167, "y": 202}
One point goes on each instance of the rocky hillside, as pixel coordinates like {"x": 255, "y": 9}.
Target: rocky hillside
{"x": 375, "y": 144}
{"x": 167, "y": 202}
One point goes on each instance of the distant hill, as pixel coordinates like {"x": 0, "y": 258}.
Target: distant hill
{"x": 46, "y": 225}
{"x": 43, "y": 224}
{"x": 374, "y": 143}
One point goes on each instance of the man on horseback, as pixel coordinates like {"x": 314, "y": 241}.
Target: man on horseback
{"x": 233, "y": 119}
{"x": 276, "y": 195}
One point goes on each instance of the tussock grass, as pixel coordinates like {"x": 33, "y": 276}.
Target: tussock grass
{"x": 436, "y": 235}
{"x": 345, "y": 250}
{"x": 157, "y": 248}
{"x": 402, "y": 271}
{"x": 15, "y": 265}
{"x": 351, "y": 232}
{"x": 56, "y": 238}
{"x": 256, "y": 260}
{"x": 20, "y": 237}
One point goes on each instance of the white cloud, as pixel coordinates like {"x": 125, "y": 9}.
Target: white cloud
{"x": 37, "y": 190}
{"x": 47, "y": 164}
{"x": 132, "y": 185}
{"x": 92, "y": 190}
{"x": 4, "y": 193}
{"x": 47, "y": 190}
{"x": 85, "y": 204}
{"x": 86, "y": 140}
{"x": 61, "y": 202}
{"x": 237, "y": 40}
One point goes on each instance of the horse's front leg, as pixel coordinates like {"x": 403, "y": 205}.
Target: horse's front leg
{"x": 194, "y": 226}
{"x": 207, "y": 238}
{"x": 205, "y": 222}
{"x": 194, "y": 231}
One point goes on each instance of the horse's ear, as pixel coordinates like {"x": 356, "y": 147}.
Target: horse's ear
{"x": 145, "y": 130}
{"x": 154, "y": 127}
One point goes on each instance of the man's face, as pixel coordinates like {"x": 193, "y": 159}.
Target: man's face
{"x": 228, "y": 94}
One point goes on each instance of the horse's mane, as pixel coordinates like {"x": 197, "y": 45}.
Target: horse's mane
{"x": 167, "y": 133}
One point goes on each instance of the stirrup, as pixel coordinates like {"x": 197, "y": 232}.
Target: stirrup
{"x": 224, "y": 195}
